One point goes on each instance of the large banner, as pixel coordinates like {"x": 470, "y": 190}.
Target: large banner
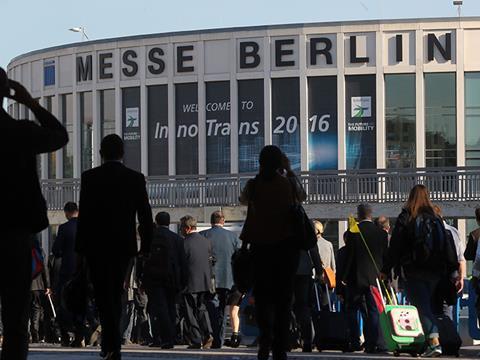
{"x": 285, "y": 118}
{"x": 218, "y": 127}
{"x": 251, "y": 124}
{"x": 322, "y": 123}
{"x": 158, "y": 130}
{"x": 186, "y": 128}
{"x": 361, "y": 122}
{"x": 131, "y": 127}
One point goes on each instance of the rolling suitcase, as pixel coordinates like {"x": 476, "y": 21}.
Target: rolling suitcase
{"x": 331, "y": 330}
{"x": 449, "y": 338}
{"x": 401, "y": 327}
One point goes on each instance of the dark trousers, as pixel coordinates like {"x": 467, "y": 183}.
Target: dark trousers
{"x": 198, "y": 321}
{"x": 274, "y": 273}
{"x": 364, "y": 302}
{"x": 216, "y": 309}
{"x": 15, "y": 283}
{"x": 162, "y": 312}
{"x": 107, "y": 276}
{"x": 37, "y": 315}
{"x": 420, "y": 293}
{"x": 302, "y": 306}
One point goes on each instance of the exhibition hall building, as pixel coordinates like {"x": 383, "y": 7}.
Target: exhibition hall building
{"x": 363, "y": 109}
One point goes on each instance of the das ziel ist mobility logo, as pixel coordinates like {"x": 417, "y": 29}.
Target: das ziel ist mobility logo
{"x": 361, "y": 106}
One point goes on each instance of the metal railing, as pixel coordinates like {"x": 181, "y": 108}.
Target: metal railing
{"x": 326, "y": 187}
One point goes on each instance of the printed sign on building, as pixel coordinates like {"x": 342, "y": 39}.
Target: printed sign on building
{"x": 251, "y": 124}
{"x": 158, "y": 130}
{"x": 218, "y": 127}
{"x": 186, "y": 128}
{"x": 361, "y": 122}
{"x": 285, "y": 118}
{"x": 322, "y": 123}
{"x": 131, "y": 127}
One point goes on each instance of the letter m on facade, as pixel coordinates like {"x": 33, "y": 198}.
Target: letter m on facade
{"x": 84, "y": 68}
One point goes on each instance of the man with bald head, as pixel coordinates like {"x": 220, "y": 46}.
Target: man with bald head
{"x": 26, "y": 210}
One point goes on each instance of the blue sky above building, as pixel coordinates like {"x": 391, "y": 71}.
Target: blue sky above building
{"x": 30, "y": 25}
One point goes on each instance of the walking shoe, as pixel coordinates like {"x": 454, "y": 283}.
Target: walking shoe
{"x": 433, "y": 351}
{"x": 235, "y": 340}
{"x": 207, "y": 344}
{"x": 194, "y": 346}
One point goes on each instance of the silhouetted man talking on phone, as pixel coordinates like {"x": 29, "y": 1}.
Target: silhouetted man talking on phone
{"x": 25, "y": 209}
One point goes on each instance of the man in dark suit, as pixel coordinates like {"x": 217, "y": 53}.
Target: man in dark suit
{"x": 63, "y": 250}
{"x": 224, "y": 243}
{"x": 25, "y": 208}
{"x": 111, "y": 197}
{"x": 199, "y": 256}
{"x": 361, "y": 271}
{"x": 163, "y": 278}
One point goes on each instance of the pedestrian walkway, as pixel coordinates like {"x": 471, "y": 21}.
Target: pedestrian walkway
{"x": 137, "y": 352}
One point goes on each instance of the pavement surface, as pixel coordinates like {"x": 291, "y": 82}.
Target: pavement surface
{"x": 46, "y": 352}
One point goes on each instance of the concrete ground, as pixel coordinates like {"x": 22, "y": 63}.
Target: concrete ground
{"x": 134, "y": 352}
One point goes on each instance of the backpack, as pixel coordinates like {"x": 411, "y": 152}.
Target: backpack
{"x": 433, "y": 248}
{"x": 159, "y": 268}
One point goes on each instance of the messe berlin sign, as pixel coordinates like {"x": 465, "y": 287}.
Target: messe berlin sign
{"x": 250, "y": 54}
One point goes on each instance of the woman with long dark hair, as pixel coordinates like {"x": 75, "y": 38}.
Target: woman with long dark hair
{"x": 269, "y": 231}
{"x": 422, "y": 269}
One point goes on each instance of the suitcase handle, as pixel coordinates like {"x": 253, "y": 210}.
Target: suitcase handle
{"x": 317, "y": 297}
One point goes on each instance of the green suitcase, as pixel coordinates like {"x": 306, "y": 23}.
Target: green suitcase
{"x": 402, "y": 329}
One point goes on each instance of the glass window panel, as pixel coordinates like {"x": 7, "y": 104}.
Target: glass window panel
{"x": 107, "y": 112}
{"x": 67, "y": 119}
{"x": 86, "y": 129}
{"x": 472, "y": 119}
{"x": 400, "y": 120}
{"x": 440, "y": 120}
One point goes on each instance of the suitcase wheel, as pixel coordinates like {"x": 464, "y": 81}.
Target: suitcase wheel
{"x": 396, "y": 353}
{"x": 415, "y": 354}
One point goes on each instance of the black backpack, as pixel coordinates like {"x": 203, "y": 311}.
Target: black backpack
{"x": 159, "y": 268}
{"x": 433, "y": 248}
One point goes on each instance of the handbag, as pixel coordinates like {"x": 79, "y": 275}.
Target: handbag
{"x": 242, "y": 259}
{"x": 302, "y": 225}
{"x": 329, "y": 276}
{"x": 242, "y": 268}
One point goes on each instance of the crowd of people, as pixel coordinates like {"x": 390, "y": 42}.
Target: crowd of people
{"x": 116, "y": 275}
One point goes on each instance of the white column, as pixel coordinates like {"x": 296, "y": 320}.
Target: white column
{"x": 460, "y": 97}
{"x": 342, "y": 160}
{"x": 43, "y": 157}
{"x": 97, "y": 127}
{"x": 118, "y": 94}
{"x": 202, "y": 131}
{"x": 171, "y": 112}
{"x": 56, "y": 110}
{"x": 380, "y": 102}
{"x": 233, "y": 108}
{"x": 302, "y": 57}
{"x": 420, "y": 96}
{"x": 143, "y": 113}
{"x": 342, "y": 227}
{"x": 95, "y": 116}
{"x": 267, "y": 91}
{"x": 57, "y": 107}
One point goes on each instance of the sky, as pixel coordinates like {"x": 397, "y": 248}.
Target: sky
{"x": 28, "y": 25}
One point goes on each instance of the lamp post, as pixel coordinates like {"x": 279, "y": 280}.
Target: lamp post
{"x": 80, "y": 29}
{"x": 458, "y": 4}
